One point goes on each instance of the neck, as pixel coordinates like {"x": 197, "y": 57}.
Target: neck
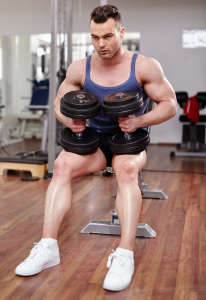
{"x": 115, "y": 59}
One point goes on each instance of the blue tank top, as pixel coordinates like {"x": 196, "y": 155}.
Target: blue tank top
{"x": 102, "y": 123}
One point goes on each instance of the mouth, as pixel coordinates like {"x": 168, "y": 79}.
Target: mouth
{"x": 103, "y": 51}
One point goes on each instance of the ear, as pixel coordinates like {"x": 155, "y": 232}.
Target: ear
{"x": 122, "y": 32}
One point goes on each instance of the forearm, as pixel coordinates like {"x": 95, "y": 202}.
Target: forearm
{"x": 63, "y": 119}
{"x": 76, "y": 125}
{"x": 162, "y": 112}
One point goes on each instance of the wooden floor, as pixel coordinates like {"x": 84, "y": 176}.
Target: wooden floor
{"x": 170, "y": 266}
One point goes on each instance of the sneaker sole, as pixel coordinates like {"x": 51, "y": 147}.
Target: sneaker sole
{"x": 117, "y": 289}
{"x": 57, "y": 262}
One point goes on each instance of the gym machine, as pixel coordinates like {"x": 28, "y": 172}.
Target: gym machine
{"x": 193, "y": 137}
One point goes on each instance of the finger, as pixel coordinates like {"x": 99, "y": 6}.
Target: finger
{"x": 123, "y": 118}
{"x": 78, "y": 125}
{"x": 78, "y": 128}
{"x": 79, "y": 122}
{"x": 132, "y": 116}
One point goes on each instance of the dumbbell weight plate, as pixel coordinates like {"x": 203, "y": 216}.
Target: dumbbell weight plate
{"x": 81, "y": 151}
{"x": 85, "y": 144}
{"x": 81, "y": 147}
{"x": 122, "y": 104}
{"x": 137, "y": 142}
{"x": 80, "y": 105}
{"x": 81, "y": 114}
{"x": 122, "y": 110}
{"x": 132, "y": 150}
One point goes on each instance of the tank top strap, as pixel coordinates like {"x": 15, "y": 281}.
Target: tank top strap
{"x": 134, "y": 57}
{"x": 88, "y": 67}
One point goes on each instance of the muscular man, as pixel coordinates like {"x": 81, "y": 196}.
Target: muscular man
{"x": 111, "y": 69}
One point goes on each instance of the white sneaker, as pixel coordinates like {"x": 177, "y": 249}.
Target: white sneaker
{"x": 121, "y": 270}
{"x": 41, "y": 257}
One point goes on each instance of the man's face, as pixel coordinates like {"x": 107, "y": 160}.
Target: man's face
{"x": 106, "y": 37}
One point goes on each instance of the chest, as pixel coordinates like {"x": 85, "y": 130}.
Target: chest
{"x": 110, "y": 76}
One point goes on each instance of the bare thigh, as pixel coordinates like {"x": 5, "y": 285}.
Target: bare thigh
{"x": 79, "y": 165}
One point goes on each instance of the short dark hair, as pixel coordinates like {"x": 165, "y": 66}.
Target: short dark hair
{"x": 102, "y": 13}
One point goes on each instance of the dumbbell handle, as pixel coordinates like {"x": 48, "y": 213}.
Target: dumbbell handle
{"x": 78, "y": 134}
{"x": 128, "y": 135}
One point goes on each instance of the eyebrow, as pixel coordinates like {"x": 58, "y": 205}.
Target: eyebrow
{"x": 109, "y": 33}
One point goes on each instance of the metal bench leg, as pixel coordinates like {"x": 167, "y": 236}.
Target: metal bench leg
{"x": 150, "y": 193}
{"x": 113, "y": 227}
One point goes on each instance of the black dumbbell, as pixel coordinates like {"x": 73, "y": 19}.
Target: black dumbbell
{"x": 123, "y": 104}
{"x": 80, "y": 105}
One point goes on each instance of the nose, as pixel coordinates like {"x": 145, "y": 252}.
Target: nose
{"x": 101, "y": 43}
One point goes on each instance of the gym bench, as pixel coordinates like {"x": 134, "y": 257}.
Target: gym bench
{"x": 113, "y": 227}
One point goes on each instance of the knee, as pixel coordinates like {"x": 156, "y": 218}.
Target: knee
{"x": 62, "y": 167}
{"x": 127, "y": 171}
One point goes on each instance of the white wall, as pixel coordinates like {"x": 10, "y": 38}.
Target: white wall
{"x": 24, "y": 16}
{"x": 160, "y": 23}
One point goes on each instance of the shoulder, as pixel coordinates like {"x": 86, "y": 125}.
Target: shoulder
{"x": 78, "y": 65}
{"x": 76, "y": 71}
{"x": 147, "y": 68}
{"x": 147, "y": 62}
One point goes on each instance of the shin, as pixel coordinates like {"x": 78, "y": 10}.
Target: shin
{"x": 129, "y": 198}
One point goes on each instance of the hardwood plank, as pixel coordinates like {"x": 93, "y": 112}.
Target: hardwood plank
{"x": 172, "y": 266}
{"x": 202, "y": 244}
{"x": 188, "y": 270}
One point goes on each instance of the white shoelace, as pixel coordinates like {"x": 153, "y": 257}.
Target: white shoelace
{"x": 110, "y": 257}
{"x": 38, "y": 250}
{"x": 121, "y": 261}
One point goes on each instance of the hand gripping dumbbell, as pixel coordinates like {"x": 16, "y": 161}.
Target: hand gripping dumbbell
{"x": 123, "y": 104}
{"x": 80, "y": 105}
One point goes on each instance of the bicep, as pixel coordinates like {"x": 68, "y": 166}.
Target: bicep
{"x": 72, "y": 82}
{"x": 66, "y": 87}
{"x": 156, "y": 86}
